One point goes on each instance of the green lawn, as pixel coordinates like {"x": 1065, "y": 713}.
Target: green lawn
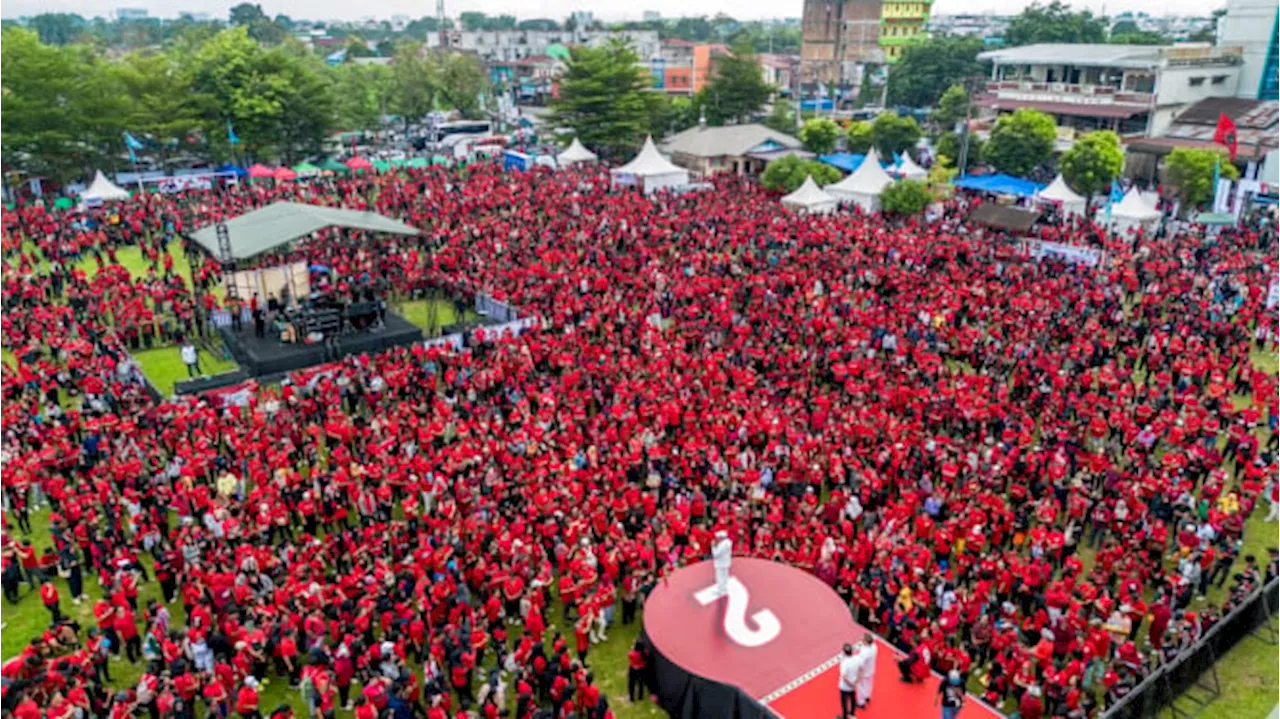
{"x": 419, "y": 313}
{"x": 163, "y": 366}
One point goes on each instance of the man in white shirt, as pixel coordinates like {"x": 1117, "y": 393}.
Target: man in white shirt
{"x": 721, "y": 558}
{"x": 866, "y": 669}
{"x": 191, "y": 358}
{"x": 849, "y": 665}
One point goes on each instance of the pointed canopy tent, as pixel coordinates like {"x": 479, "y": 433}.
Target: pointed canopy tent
{"x": 575, "y": 153}
{"x": 259, "y": 171}
{"x": 1060, "y": 194}
{"x": 103, "y": 190}
{"x": 285, "y": 174}
{"x": 306, "y": 169}
{"x": 810, "y": 198}
{"x": 358, "y": 163}
{"x": 283, "y": 222}
{"x": 864, "y": 186}
{"x": 907, "y": 169}
{"x": 650, "y": 170}
{"x": 1132, "y": 212}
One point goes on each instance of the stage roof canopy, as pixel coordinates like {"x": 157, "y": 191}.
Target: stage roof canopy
{"x": 283, "y": 222}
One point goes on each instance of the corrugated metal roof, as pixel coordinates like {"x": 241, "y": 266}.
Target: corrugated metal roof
{"x": 703, "y": 141}
{"x": 1079, "y": 55}
{"x": 1062, "y": 108}
{"x": 1246, "y": 113}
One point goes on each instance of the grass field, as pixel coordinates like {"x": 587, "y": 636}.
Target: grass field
{"x": 418, "y": 312}
{"x": 163, "y": 366}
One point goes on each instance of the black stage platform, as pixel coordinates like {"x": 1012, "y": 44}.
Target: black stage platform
{"x": 259, "y": 357}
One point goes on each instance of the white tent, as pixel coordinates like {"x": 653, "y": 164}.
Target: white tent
{"x": 1058, "y": 192}
{"x": 864, "y": 185}
{"x": 1132, "y": 212}
{"x": 575, "y": 153}
{"x": 103, "y": 190}
{"x": 810, "y": 198}
{"x": 909, "y": 170}
{"x": 650, "y": 170}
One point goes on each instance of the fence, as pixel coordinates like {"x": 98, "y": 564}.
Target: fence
{"x": 1190, "y": 682}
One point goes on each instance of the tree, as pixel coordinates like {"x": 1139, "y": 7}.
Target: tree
{"x": 1139, "y": 37}
{"x": 1020, "y": 142}
{"x": 1191, "y": 171}
{"x": 788, "y": 173}
{"x": 819, "y": 135}
{"x": 160, "y": 102}
{"x": 1092, "y": 163}
{"x": 927, "y": 69}
{"x": 461, "y": 80}
{"x": 953, "y": 107}
{"x": 737, "y": 90}
{"x": 278, "y": 102}
{"x": 247, "y": 14}
{"x": 413, "y": 83}
{"x": 605, "y": 98}
{"x": 472, "y": 20}
{"x": 1054, "y": 22}
{"x": 361, "y": 93}
{"x": 905, "y": 197}
{"x": 892, "y": 134}
{"x": 782, "y": 118}
{"x": 51, "y": 95}
{"x": 58, "y": 28}
{"x": 541, "y": 23}
{"x": 948, "y": 148}
{"x": 860, "y": 137}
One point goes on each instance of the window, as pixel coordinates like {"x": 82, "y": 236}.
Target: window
{"x": 1219, "y": 79}
{"x": 1195, "y": 81}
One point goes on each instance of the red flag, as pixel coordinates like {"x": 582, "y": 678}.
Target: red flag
{"x": 1226, "y": 134}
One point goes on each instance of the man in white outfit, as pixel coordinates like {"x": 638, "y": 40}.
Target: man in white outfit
{"x": 721, "y": 557}
{"x": 866, "y": 670}
{"x": 849, "y": 663}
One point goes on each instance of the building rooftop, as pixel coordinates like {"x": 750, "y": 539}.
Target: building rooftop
{"x": 705, "y": 141}
{"x": 1080, "y": 55}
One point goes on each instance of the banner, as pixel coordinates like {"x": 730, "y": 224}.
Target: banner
{"x": 1074, "y": 254}
{"x": 173, "y": 185}
{"x": 453, "y": 342}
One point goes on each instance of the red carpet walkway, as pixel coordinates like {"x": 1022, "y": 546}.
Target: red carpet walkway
{"x": 819, "y": 697}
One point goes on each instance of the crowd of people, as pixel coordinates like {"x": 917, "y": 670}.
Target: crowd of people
{"x": 1026, "y": 472}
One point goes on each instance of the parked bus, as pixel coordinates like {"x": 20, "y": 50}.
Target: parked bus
{"x": 446, "y": 130}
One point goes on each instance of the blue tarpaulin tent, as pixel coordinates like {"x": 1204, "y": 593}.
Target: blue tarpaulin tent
{"x": 999, "y": 185}
{"x": 847, "y": 161}
{"x": 234, "y": 169}
{"x": 842, "y": 161}
{"x": 825, "y": 104}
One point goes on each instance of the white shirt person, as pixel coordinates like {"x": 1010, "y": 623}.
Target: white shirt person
{"x": 721, "y": 558}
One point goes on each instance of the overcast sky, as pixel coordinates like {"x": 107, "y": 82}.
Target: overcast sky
{"x": 744, "y": 9}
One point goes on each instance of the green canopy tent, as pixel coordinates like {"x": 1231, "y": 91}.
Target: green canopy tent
{"x": 306, "y": 169}
{"x": 64, "y": 203}
{"x": 418, "y": 163}
{"x": 381, "y": 165}
{"x": 439, "y": 160}
{"x": 332, "y": 165}
{"x": 399, "y": 162}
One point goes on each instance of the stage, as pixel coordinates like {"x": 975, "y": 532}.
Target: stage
{"x": 259, "y": 357}
{"x": 770, "y": 648}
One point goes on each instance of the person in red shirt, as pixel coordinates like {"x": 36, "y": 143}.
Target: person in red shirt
{"x": 247, "y": 699}
{"x": 49, "y": 596}
{"x": 636, "y": 661}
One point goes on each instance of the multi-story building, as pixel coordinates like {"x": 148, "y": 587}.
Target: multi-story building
{"x": 131, "y": 13}
{"x": 902, "y": 22}
{"x": 683, "y": 68}
{"x": 779, "y": 70}
{"x": 839, "y": 38}
{"x": 511, "y": 45}
{"x": 1132, "y": 89}
{"x": 1254, "y": 25}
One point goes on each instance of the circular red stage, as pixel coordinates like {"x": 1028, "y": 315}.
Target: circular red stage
{"x": 776, "y": 627}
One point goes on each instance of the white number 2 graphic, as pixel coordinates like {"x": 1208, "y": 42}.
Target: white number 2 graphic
{"x": 735, "y": 616}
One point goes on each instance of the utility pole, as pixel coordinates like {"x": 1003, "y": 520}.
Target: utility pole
{"x": 440, "y": 20}
{"x": 970, "y": 86}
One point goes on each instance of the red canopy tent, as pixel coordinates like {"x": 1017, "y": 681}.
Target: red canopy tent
{"x": 258, "y": 171}
{"x": 285, "y": 173}
{"x": 359, "y": 163}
